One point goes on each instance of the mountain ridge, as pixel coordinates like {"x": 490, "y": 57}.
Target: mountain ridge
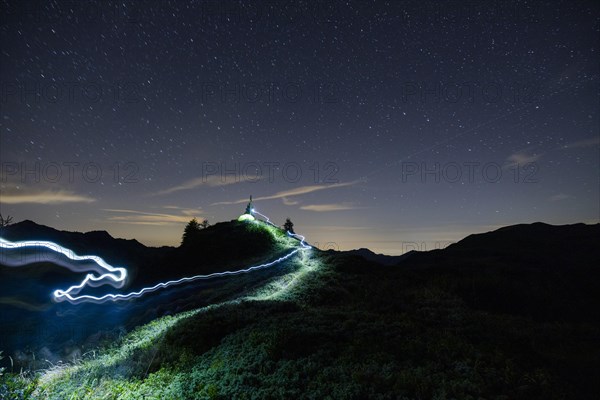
{"x": 27, "y": 230}
{"x": 474, "y": 320}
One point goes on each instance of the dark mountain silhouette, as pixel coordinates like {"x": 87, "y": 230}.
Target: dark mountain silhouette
{"x": 219, "y": 247}
{"x": 378, "y": 258}
{"x": 530, "y": 246}
{"x": 223, "y": 246}
{"x": 127, "y": 253}
{"x": 547, "y": 272}
{"x": 227, "y": 244}
{"x": 26, "y": 307}
{"x": 511, "y": 313}
{"x": 29, "y": 230}
{"x": 538, "y": 270}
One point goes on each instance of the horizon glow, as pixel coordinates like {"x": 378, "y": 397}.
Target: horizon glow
{"x": 116, "y": 276}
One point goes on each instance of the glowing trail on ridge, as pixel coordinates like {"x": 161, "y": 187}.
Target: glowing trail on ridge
{"x": 268, "y": 221}
{"x": 116, "y": 276}
{"x": 295, "y": 235}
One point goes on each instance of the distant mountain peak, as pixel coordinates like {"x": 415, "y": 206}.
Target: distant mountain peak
{"x": 379, "y": 258}
{"x": 26, "y": 222}
{"x": 31, "y": 230}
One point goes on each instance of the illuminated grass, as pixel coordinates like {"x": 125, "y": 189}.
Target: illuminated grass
{"x": 333, "y": 326}
{"x": 129, "y": 360}
{"x": 124, "y": 371}
{"x": 328, "y": 328}
{"x": 285, "y": 287}
{"x": 281, "y": 238}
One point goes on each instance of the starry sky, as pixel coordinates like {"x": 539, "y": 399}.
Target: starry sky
{"x": 392, "y": 125}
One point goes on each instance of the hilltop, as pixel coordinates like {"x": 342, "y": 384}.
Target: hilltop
{"x": 216, "y": 248}
{"x": 475, "y": 320}
{"x": 33, "y": 323}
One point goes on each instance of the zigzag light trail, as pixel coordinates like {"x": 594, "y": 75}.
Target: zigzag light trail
{"x": 116, "y": 276}
{"x": 299, "y": 237}
{"x": 268, "y": 221}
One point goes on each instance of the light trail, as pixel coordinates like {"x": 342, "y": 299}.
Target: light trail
{"x": 116, "y": 276}
{"x": 268, "y": 221}
{"x": 299, "y": 237}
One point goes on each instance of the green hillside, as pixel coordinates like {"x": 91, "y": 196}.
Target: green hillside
{"x": 339, "y": 327}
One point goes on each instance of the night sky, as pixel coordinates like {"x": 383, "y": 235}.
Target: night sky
{"x": 392, "y": 125}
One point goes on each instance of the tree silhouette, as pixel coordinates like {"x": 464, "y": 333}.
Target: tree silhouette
{"x": 5, "y": 221}
{"x": 204, "y": 224}
{"x": 190, "y": 232}
{"x": 289, "y": 226}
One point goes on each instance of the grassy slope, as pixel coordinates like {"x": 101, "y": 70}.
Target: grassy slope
{"x": 339, "y": 327}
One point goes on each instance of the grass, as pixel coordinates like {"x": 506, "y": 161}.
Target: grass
{"x": 144, "y": 363}
{"x": 335, "y": 327}
{"x": 130, "y": 366}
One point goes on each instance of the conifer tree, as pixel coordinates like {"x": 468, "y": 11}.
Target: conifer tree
{"x": 190, "y": 232}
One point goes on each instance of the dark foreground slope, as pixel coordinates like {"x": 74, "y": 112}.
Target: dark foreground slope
{"x": 36, "y": 332}
{"x": 545, "y": 272}
{"x": 216, "y": 248}
{"x": 439, "y": 325}
{"x": 122, "y": 252}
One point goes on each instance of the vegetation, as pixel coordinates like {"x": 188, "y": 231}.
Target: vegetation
{"x": 340, "y": 327}
{"x": 288, "y": 226}
{"x": 190, "y": 233}
{"x": 15, "y": 386}
{"x": 5, "y": 221}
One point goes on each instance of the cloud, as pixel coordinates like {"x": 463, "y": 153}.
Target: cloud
{"x": 289, "y": 202}
{"x": 329, "y": 207}
{"x": 145, "y": 218}
{"x": 292, "y": 192}
{"x": 186, "y": 211}
{"x": 210, "y": 181}
{"x": 583, "y": 143}
{"x": 45, "y": 197}
{"x": 560, "y": 197}
{"x": 338, "y": 228}
{"x": 521, "y": 159}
